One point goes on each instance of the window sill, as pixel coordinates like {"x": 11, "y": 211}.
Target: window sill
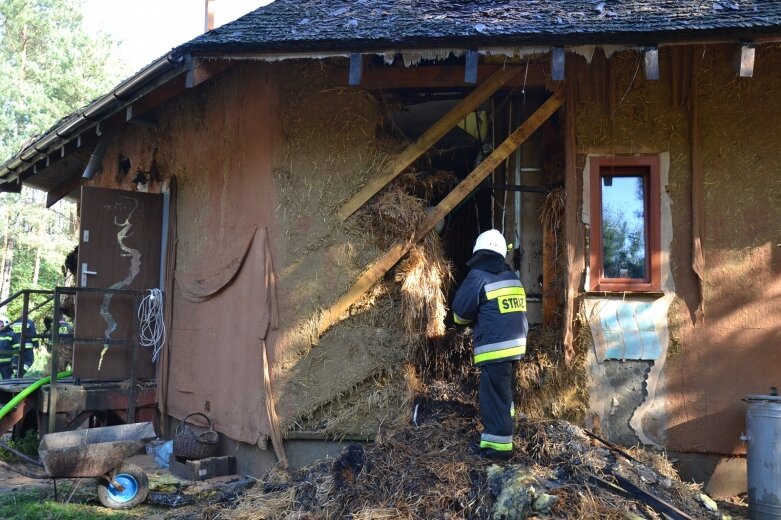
{"x": 650, "y": 294}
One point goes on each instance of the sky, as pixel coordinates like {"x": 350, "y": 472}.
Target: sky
{"x": 147, "y": 29}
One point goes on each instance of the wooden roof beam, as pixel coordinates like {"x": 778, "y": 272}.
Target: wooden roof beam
{"x": 377, "y": 270}
{"x": 746, "y": 55}
{"x": 202, "y": 69}
{"x": 438, "y": 76}
{"x": 63, "y": 189}
{"x": 410, "y": 154}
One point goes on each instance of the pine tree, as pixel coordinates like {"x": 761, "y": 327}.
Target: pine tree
{"x": 50, "y": 65}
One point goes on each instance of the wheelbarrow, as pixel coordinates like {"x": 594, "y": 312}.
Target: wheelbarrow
{"x": 98, "y": 453}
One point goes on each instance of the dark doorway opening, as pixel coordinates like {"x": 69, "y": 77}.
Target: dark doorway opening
{"x": 510, "y": 199}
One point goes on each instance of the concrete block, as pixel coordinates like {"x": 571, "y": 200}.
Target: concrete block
{"x": 722, "y": 476}
{"x": 203, "y": 469}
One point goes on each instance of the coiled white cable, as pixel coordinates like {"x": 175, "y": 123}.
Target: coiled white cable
{"x": 150, "y": 321}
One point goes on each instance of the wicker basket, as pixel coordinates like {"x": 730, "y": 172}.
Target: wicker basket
{"x": 191, "y": 445}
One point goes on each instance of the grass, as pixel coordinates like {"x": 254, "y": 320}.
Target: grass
{"x": 39, "y": 504}
{"x": 28, "y": 444}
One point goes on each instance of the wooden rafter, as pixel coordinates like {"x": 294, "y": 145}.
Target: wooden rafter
{"x": 428, "y": 139}
{"x": 201, "y": 70}
{"x": 436, "y": 77}
{"x": 377, "y": 270}
{"x": 62, "y": 190}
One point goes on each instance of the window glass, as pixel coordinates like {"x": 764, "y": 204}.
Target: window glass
{"x": 623, "y": 226}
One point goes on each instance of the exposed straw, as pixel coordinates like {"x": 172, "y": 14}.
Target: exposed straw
{"x": 427, "y": 469}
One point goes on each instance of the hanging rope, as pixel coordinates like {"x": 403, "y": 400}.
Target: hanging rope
{"x": 150, "y": 319}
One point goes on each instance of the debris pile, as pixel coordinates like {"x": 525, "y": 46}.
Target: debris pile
{"x": 430, "y": 469}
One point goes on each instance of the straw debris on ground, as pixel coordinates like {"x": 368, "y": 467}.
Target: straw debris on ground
{"x": 429, "y": 468}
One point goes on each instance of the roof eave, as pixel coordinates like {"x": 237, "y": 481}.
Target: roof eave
{"x": 90, "y": 116}
{"x": 635, "y": 38}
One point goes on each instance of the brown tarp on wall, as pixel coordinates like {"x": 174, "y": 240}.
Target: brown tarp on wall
{"x": 226, "y": 303}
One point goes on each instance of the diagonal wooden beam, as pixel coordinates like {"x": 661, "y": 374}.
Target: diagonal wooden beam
{"x": 201, "y": 70}
{"x": 378, "y": 269}
{"x": 63, "y": 189}
{"x": 428, "y": 139}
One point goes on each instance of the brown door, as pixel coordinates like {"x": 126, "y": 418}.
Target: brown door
{"x": 119, "y": 248}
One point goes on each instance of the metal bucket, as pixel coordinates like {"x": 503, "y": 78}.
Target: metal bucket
{"x": 763, "y": 439}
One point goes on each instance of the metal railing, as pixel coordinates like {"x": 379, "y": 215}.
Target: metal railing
{"x": 56, "y": 338}
{"x": 26, "y": 311}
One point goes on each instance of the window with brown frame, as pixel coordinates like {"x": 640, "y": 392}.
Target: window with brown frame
{"x": 625, "y": 239}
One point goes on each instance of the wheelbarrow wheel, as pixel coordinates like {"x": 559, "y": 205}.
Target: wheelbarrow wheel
{"x": 135, "y": 483}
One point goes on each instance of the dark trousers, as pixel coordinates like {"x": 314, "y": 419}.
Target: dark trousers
{"x": 496, "y": 398}
{"x": 6, "y": 369}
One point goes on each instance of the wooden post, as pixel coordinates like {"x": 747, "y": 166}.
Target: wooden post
{"x": 356, "y": 69}
{"x": 20, "y": 370}
{"x": 550, "y": 302}
{"x": 698, "y": 187}
{"x": 55, "y": 339}
{"x": 428, "y": 139}
{"x": 551, "y": 236}
{"x": 575, "y": 260}
{"x": 271, "y": 408}
{"x": 378, "y": 269}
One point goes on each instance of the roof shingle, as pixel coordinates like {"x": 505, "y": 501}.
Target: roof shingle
{"x": 371, "y": 24}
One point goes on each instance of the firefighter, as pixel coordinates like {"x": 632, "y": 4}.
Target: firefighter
{"x": 63, "y": 329}
{"x": 6, "y": 350}
{"x": 493, "y": 300}
{"x": 65, "y": 346}
{"x": 30, "y": 342}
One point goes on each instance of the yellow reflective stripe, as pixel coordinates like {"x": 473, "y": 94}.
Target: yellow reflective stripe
{"x": 461, "y": 321}
{"x": 505, "y": 291}
{"x": 499, "y": 354}
{"x": 498, "y": 446}
{"x": 511, "y": 304}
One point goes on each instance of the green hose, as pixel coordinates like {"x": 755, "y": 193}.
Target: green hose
{"x": 18, "y": 398}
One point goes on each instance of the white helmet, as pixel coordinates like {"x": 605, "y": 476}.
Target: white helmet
{"x": 4, "y": 321}
{"x": 491, "y": 240}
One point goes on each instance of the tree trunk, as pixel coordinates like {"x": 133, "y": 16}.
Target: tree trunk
{"x": 8, "y": 253}
{"x": 37, "y": 268}
{"x": 39, "y": 239}
{"x": 8, "y": 262}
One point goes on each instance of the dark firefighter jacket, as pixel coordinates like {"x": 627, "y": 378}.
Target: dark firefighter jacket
{"x": 493, "y": 298}
{"x": 6, "y": 341}
{"x": 16, "y": 337}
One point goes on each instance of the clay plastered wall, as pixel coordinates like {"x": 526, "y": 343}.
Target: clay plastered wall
{"x": 735, "y": 353}
{"x": 706, "y": 370}
{"x": 271, "y": 145}
{"x": 218, "y": 141}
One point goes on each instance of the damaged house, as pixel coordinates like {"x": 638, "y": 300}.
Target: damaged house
{"x": 305, "y": 184}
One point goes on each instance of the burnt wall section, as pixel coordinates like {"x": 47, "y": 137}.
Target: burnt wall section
{"x": 626, "y": 381}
